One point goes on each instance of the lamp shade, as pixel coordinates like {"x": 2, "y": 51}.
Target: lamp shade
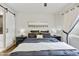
{"x": 22, "y": 31}
{"x": 54, "y": 31}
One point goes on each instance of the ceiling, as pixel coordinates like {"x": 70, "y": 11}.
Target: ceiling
{"x": 37, "y": 7}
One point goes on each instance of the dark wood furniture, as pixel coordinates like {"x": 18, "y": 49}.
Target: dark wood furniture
{"x": 57, "y": 37}
{"x": 19, "y": 40}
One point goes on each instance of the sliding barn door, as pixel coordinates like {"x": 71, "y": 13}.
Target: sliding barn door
{"x": 10, "y": 29}
{"x": 69, "y": 19}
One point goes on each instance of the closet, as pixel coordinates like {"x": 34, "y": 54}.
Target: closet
{"x": 7, "y": 28}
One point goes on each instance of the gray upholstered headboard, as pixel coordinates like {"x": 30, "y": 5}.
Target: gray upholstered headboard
{"x": 33, "y": 34}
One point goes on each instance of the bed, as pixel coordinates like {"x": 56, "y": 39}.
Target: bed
{"x": 44, "y": 47}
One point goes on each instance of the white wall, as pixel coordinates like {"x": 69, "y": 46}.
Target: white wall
{"x": 58, "y": 24}
{"x": 22, "y": 20}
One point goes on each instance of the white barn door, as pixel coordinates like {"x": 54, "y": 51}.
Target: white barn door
{"x": 10, "y": 29}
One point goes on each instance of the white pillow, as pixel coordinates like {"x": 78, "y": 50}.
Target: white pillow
{"x": 39, "y": 36}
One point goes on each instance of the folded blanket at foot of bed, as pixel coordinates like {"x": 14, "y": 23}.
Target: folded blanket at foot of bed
{"x": 45, "y": 53}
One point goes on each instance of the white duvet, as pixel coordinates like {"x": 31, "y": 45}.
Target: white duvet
{"x": 43, "y": 46}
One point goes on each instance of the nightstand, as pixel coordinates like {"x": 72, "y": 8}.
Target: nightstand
{"x": 19, "y": 40}
{"x": 57, "y": 37}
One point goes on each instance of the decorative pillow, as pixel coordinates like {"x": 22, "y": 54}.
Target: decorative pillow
{"x": 31, "y": 35}
{"x": 44, "y": 31}
{"x": 34, "y": 31}
{"x": 39, "y": 36}
{"x": 46, "y": 35}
